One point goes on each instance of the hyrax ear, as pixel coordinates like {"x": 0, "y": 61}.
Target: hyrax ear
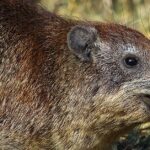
{"x": 81, "y": 40}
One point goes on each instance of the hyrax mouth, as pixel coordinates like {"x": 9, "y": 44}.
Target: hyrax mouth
{"x": 140, "y": 88}
{"x": 146, "y": 99}
{"x": 145, "y": 95}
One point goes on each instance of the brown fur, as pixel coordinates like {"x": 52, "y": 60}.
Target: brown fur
{"x": 49, "y": 99}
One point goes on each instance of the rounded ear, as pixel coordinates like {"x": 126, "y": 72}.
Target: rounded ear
{"x": 80, "y": 41}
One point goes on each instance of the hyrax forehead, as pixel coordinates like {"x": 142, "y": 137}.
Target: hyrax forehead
{"x": 123, "y": 40}
{"x": 121, "y": 35}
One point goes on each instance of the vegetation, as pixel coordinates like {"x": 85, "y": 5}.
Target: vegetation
{"x": 138, "y": 139}
{"x": 133, "y": 13}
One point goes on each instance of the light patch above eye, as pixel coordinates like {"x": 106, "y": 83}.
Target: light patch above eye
{"x": 129, "y": 48}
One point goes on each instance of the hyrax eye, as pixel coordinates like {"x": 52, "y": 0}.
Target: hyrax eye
{"x": 131, "y": 61}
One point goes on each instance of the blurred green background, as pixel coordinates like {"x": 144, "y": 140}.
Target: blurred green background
{"x": 133, "y": 13}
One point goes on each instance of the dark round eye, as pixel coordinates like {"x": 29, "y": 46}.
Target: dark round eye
{"x": 131, "y": 61}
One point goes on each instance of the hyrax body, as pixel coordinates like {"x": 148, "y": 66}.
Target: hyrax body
{"x": 68, "y": 85}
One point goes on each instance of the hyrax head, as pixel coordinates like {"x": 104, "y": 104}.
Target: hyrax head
{"x": 118, "y": 59}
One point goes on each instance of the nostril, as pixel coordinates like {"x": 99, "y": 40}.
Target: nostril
{"x": 147, "y": 96}
{"x": 146, "y": 99}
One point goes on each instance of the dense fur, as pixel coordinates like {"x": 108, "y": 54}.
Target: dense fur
{"x": 52, "y": 99}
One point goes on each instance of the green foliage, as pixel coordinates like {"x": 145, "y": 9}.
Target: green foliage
{"x": 133, "y": 13}
{"x": 136, "y": 140}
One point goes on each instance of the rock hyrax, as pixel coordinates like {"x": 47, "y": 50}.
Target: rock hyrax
{"x": 66, "y": 84}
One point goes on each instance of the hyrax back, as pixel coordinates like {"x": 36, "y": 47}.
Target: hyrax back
{"x": 68, "y": 85}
